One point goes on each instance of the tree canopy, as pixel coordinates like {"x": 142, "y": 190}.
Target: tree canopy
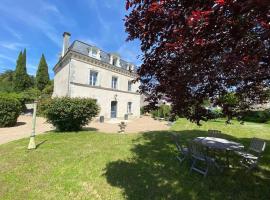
{"x": 195, "y": 50}
{"x": 42, "y": 76}
{"x": 21, "y": 79}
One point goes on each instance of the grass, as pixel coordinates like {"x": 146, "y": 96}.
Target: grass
{"x": 91, "y": 165}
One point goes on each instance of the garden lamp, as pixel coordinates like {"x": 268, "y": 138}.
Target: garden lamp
{"x": 32, "y": 144}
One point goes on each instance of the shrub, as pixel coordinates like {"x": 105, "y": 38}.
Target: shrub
{"x": 164, "y": 111}
{"x": 42, "y": 106}
{"x": 70, "y": 114}
{"x": 10, "y": 109}
{"x": 261, "y": 116}
{"x": 214, "y": 113}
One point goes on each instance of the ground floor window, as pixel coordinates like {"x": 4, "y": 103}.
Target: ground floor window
{"x": 129, "y": 107}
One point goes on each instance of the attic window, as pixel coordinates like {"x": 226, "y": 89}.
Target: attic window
{"x": 94, "y": 52}
{"x": 114, "y": 61}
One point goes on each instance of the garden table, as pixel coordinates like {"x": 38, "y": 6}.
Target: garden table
{"x": 219, "y": 144}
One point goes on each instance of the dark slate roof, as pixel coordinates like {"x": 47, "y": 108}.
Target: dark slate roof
{"x": 83, "y": 48}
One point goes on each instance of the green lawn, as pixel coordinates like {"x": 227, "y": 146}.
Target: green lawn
{"x": 90, "y": 165}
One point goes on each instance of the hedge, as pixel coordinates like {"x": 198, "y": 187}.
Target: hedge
{"x": 261, "y": 116}
{"x": 10, "y": 109}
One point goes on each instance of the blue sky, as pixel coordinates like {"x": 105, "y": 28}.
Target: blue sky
{"x": 38, "y": 25}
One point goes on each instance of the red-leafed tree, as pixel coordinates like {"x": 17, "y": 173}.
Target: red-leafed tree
{"x": 195, "y": 50}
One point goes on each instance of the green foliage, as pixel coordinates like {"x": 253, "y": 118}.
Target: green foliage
{"x": 142, "y": 110}
{"x": 42, "y": 76}
{"x": 262, "y": 116}
{"x": 70, "y": 114}
{"x": 6, "y": 81}
{"x": 43, "y": 105}
{"x": 21, "y": 79}
{"x": 164, "y": 111}
{"x": 214, "y": 113}
{"x": 48, "y": 90}
{"x": 10, "y": 109}
{"x": 30, "y": 95}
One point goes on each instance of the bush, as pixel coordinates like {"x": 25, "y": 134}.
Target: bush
{"x": 70, "y": 114}
{"x": 164, "y": 111}
{"x": 10, "y": 109}
{"x": 42, "y": 106}
{"x": 261, "y": 116}
{"x": 214, "y": 113}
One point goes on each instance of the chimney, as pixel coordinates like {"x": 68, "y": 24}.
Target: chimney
{"x": 66, "y": 37}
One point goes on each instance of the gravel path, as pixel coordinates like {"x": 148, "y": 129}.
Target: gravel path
{"x": 24, "y": 127}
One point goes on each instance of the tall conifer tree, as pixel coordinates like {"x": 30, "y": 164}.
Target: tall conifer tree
{"x": 21, "y": 78}
{"x": 42, "y": 76}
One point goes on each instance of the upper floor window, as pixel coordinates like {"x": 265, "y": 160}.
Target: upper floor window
{"x": 94, "y": 52}
{"x": 115, "y": 60}
{"x": 129, "y": 107}
{"x": 93, "y": 78}
{"x": 114, "y": 82}
{"x": 129, "y": 86}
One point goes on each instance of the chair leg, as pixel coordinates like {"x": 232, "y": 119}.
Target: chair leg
{"x": 193, "y": 164}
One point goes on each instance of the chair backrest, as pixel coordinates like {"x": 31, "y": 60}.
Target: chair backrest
{"x": 176, "y": 141}
{"x": 214, "y": 133}
{"x": 196, "y": 149}
{"x": 257, "y": 145}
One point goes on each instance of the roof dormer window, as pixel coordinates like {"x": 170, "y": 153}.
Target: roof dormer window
{"x": 115, "y": 60}
{"x": 94, "y": 52}
{"x": 130, "y": 67}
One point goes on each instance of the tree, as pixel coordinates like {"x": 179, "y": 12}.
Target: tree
{"x": 6, "y": 81}
{"x": 42, "y": 76}
{"x": 230, "y": 105}
{"x": 21, "y": 79}
{"x": 201, "y": 49}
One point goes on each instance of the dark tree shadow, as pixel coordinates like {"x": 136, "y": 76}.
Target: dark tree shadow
{"x": 89, "y": 129}
{"x": 154, "y": 173}
{"x": 20, "y": 124}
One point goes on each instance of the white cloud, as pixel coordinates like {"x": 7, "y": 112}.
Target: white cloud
{"x": 7, "y": 58}
{"x": 12, "y": 32}
{"x": 129, "y": 53}
{"x": 13, "y": 45}
{"x": 38, "y": 20}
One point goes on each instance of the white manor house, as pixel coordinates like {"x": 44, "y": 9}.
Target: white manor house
{"x": 87, "y": 71}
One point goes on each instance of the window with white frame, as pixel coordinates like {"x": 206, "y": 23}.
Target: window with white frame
{"x": 93, "y": 78}
{"x": 94, "y": 52}
{"x": 129, "y": 107}
{"x": 115, "y": 61}
{"x": 129, "y": 86}
{"x": 114, "y": 82}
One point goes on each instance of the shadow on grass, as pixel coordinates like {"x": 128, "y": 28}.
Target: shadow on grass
{"x": 41, "y": 143}
{"x": 154, "y": 173}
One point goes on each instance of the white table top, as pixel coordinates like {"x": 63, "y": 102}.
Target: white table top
{"x": 218, "y": 143}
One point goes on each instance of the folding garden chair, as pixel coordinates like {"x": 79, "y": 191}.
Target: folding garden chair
{"x": 201, "y": 163}
{"x": 251, "y": 157}
{"x": 182, "y": 151}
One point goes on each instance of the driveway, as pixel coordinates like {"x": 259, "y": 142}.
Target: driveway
{"x": 24, "y": 127}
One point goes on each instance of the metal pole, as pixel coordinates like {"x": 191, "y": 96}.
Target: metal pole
{"x": 32, "y": 144}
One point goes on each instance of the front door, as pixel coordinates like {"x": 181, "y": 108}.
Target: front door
{"x": 113, "y": 109}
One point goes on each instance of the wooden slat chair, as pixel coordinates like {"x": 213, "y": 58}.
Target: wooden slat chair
{"x": 214, "y": 133}
{"x": 199, "y": 156}
{"x": 251, "y": 157}
{"x": 182, "y": 151}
